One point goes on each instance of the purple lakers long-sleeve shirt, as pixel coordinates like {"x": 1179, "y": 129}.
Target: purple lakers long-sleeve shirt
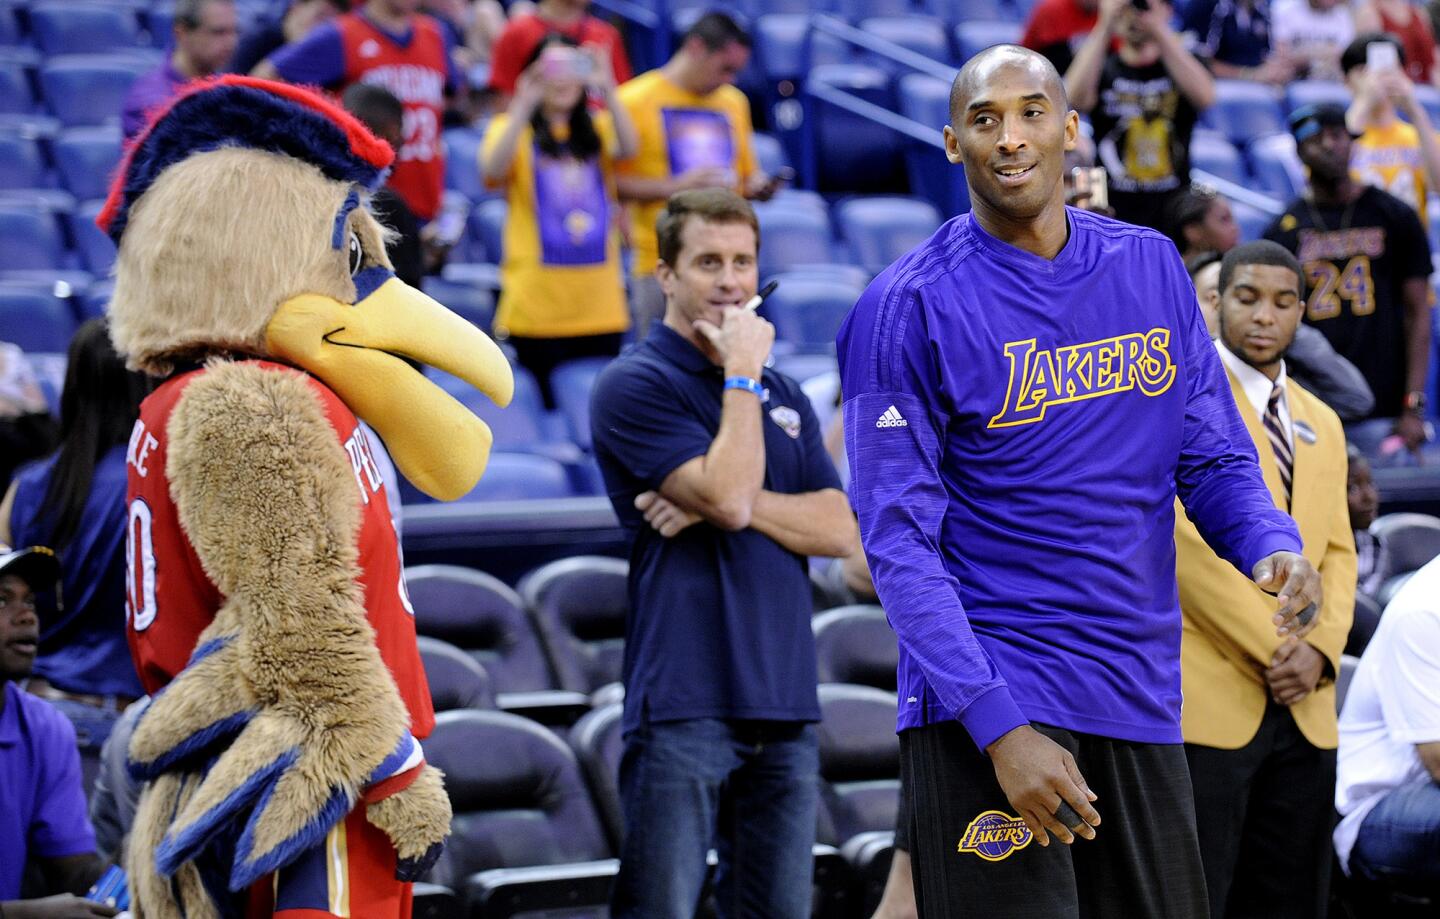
{"x": 1018, "y": 429}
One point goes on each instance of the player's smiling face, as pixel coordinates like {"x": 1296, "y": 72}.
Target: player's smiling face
{"x": 1011, "y": 130}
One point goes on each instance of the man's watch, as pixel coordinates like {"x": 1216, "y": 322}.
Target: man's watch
{"x": 1415, "y": 402}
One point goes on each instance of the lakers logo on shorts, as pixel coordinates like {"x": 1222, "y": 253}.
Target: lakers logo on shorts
{"x": 994, "y": 835}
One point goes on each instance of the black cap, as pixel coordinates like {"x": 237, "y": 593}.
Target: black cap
{"x": 1308, "y": 120}
{"x": 37, "y": 565}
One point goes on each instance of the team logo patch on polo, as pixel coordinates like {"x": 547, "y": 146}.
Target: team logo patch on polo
{"x": 787, "y": 418}
{"x": 994, "y": 836}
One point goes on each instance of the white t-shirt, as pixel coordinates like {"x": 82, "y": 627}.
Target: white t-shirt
{"x": 1312, "y": 33}
{"x": 1393, "y": 704}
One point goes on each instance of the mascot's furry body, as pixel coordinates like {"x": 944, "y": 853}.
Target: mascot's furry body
{"x": 266, "y": 594}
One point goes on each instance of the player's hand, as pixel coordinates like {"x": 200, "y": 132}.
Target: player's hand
{"x": 666, "y": 517}
{"x": 1037, "y": 776}
{"x": 742, "y": 341}
{"x": 64, "y": 906}
{"x": 1411, "y": 428}
{"x": 1294, "y": 672}
{"x": 1296, "y": 584}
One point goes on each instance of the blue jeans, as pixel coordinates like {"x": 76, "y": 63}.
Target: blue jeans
{"x": 1399, "y": 840}
{"x": 750, "y": 788}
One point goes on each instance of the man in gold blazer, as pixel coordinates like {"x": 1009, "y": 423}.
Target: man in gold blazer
{"x": 1259, "y": 713}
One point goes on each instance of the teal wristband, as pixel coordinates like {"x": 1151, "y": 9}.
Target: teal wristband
{"x": 749, "y": 384}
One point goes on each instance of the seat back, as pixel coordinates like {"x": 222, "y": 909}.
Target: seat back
{"x": 975, "y": 36}
{"x": 1411, "y": 541}
{"x": 83, "y": 28}
{"x": 86, "y": 158}
{"x": 572, "y": 382}
{"x": 1276, "y": 166}
{"x": 807, "y": 310}
{"x": 881, "y": 229}
{"x": 34, "y": 319}
{"x": 456, "y": 680}
{"x": 22, "y": 165}
{"x": 859, "y": 760}
{"x": 855, "y": 153}
{"x": 1214, "y": 153}
{"x": 88, "y": 89}
{"x": 792, "y": 231}
{"x": 579, "y": 606}
{"x": 479, "y": 614}
{"x": 1243, "y": 110}
{"x": 518, "y": 796}
{"x": 924, "y": 35}
{"x": 854, "y": 644}
{"x": 30, "y": 238}
{"x": 598, "y": 741}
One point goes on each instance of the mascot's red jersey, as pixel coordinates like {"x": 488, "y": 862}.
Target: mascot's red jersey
{"x": 416, "y": 73}
{"x": 169, "y": 598}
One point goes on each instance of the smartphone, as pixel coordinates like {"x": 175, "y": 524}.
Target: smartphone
{"x": 559, "y": 62}
{"x": 1381, "y": 55}
{"x": 1092, "y": 185}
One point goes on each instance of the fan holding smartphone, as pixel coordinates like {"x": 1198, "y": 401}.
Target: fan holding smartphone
{"x": 562, "y": 295}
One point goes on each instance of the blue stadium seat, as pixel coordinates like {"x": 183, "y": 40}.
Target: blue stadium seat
{"x": 770, "y": 154}
{"x": 1244, "y": 110}
{"x": 9, "y": 25}
{"x": 95, "y": 298}
{"x": 22, "y": 164}
{"x": 1216, "y": 155}
{"x": 34, "y": 319}
{"x": 30, "y": 237}
{"x": 86, "y": 89}
{"x": 1252, "y": 220}
{"x": 1307, "y": 92}
{"x": 807, "y": 310}
{"x": 86, "y": 158}
{"x": 97, "y": 250}
{"x": 572, "y": 383}
{"x": 1276, "y": 166}
{"x": 791, "y": 234}
{"x": 71, "y": 27}
{"x": 926, "y": 100}
{"x": 780, "y": 46}
{"x": 159, "y": 22}
{"x": 854, "y": 153}
{"x": 881, "y": 229}
{"x": 1429, "y": 97}
{"x": 487, "y": 228}
{"x": 519, "y": 477}
{"x": 859, "y": 761}
{"x": 862, "y": 9}
{"x": 462, "y": 162}
{"x": 974, "y": 37}
{"x": 851, "y": 274}
{"x": 972, "y": 10}
{"x": 854, "y": 644}
{"x": 925, "y": 35}
{"x": 520, "y": 427}
{"x": 804, "y": 198}
{"x": 15, "y": 94}
{"x": 579, "y": 605}
{"x": 472, "y": 301}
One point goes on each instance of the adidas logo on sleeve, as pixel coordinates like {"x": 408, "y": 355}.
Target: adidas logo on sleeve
{"x": 892, "y": 419}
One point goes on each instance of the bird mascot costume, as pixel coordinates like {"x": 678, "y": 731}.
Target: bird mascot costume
{"x": 267, "y": 608}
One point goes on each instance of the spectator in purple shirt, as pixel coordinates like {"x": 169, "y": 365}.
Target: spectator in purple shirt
{"x": 206, "y": 33}
{"x": 42, "y": 805}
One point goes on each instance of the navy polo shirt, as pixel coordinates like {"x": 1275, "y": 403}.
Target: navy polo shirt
{"x": 719, "y": 623}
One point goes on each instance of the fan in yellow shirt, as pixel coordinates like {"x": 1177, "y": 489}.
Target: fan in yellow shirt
{"x": 694, "y": 132}
{"x": 1402, "y": 159}
{"x": 562, "y": 293}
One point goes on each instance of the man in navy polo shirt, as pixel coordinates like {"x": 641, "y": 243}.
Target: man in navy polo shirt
{"x": 716, "y": 465}
{"x": 42, "y": 804}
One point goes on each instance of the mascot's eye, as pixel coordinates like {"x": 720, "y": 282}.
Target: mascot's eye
{"x": 357, "y": 255}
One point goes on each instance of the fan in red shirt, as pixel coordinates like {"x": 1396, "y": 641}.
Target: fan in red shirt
{"x": 1056, "y": 27}
{"x": 567, "y": 17}
{"x": 389, "y": 44}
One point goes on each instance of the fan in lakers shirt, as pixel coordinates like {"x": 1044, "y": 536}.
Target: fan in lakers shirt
{"x": 1026, "y": 394}
{"x": 1367, "y": 269}
{"x": 1401, "y": 157}
{"x": 561, "y": 292}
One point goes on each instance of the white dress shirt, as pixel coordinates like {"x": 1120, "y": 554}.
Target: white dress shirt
{"x": 1257, "y": 387}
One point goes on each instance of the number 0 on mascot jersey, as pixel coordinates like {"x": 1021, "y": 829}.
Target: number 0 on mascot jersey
{"x": 267, "y": 612}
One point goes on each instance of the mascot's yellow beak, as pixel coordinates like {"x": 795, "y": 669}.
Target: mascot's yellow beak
{"x": 438, "y": 444}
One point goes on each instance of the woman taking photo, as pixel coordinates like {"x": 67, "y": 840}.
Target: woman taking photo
{"x": 562, "y": 294}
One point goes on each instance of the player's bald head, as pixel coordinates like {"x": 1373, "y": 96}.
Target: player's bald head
{"x": 975, "y": 78}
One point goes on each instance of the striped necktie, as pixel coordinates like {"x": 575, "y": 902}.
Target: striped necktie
{"x": 1279, "y": 442}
